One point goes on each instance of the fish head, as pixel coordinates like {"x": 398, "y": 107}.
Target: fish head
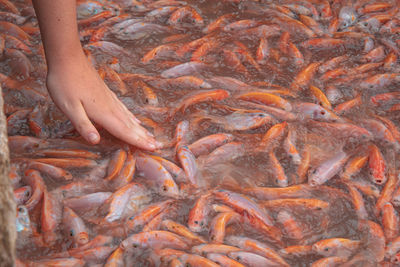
{"x": 377, "y": 176}
{"x": 313, "y": 177}
{"x": 371, "y": 25}
{"x": 281, "y": 182}
{"x": 347, "y": 17}
{"x": 22, "y": 221}
{"x": 169, "y": 188}
{"x": 324, "y": 248}
{"x": 82, "y": 238}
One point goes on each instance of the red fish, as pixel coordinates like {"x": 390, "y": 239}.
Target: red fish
{"x": 377, "y": 165}
{"x": 75, "y": 227}
{"x": 154, "y": 240}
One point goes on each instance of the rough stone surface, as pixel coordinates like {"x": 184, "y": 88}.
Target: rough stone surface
{"x": 7, "y": 205}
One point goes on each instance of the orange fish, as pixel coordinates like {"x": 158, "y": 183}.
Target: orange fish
{"x": 198, "y": 215}
{"x": 115, "y": 259}
{"x": 390, "y": 221}
{"x": 205, "y": 145}
{"x": 290, "y": 225}
{"x": 272, "y": 137}
{"x": 377, "y": 165}
{"x": 116, "y": 163}
{"x": 278, "y": 172}
{"x": 35, "y": 181}
{"x": 340, "y": 247}
{"x": 154, "y": 240}
{"x": 358, "y": 202}
{"x": 50, "y": 218}
{"x": 320, "y": 96}
{"x": 201, "y": 96}
{"x": 75, "y": 227}
{"x": 310, "y": 203}
{"x": 348, "y": 105}
{"x": 182, "y": 231}
{"x": 223, "y": 260}
{"x": 267, "y": 99}
{"x": 304, "y": 77}
{"x": 354, "y": 166}
{"x": 218, "y": 225}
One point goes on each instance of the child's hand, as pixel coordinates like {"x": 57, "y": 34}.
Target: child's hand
{"x": 81, "y": 94}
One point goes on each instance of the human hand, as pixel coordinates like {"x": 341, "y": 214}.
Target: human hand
{"x": 77, "y": 89}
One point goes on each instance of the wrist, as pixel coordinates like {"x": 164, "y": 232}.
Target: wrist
{"x": 65, "y": 61}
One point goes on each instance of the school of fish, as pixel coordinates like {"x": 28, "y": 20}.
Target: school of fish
{"x": 279, "y": 124}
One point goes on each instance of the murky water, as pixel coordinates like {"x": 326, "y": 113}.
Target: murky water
{"x": 278, "y": 49}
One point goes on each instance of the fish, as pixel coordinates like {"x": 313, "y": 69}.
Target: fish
{"x": 251, "y": 259}
{"x": 336, "y": 247}
{"x": 155, "y": 240}
{"x": 241, "y": 203}
{"x": 223, "y": 260}
{"x": 267, "y": 99}
{"x": 327, "y": 169}
{"x": 75, "y": 227}
{"x": 157, "y": 175}
{"x": 207, "y": 144}
{"x": 276, "y": 128}
{"x": 257, "y": 247}
{"x": 278, "y": 172}
{"x": 377, "y": 165}
{"x": 218, "y": 225}
{"x": 238, "y": 120}
{"x": 182, "y": 230}
{"x": 120, "y": 199}
{"x": 198, "y": 214}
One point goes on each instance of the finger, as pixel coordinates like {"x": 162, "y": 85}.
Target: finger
{"x": 121, "y": 126}
{"x": 124, "y": 108}
{"x": 82, "y": 124}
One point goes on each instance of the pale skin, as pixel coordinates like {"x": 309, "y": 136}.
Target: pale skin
{"x": 74, "y": 84}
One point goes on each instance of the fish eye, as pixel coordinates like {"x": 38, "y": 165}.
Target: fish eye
{"x": 326, "y": 249}
{"x": 196, "y": 222}
{"x": 238, "y": 258}
{"x": 365, "y": 24}
{"x": 322, "y": 112}
{"x": 72, "y": 232}
{"x": 20, "y": 209}
{"x": 314, "y": 171}
{"x": 164, "y": 188}
{"x": 135, "y": 246}
{"x": 345, "y": 24}
{"x": 202, "y": 223}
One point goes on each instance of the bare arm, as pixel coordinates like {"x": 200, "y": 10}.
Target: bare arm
{"x": 75, "y": 85}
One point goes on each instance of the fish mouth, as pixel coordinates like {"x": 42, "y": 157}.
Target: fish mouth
{"x": 82, "y": 238}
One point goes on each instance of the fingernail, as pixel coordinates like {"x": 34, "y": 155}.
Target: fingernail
{"x": 93, "y": 137}
{"x": 150, "y": 134}
{"x": 152, "y": 146}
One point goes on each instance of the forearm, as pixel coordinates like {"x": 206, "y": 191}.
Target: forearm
{"x": 59, "y": 30}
